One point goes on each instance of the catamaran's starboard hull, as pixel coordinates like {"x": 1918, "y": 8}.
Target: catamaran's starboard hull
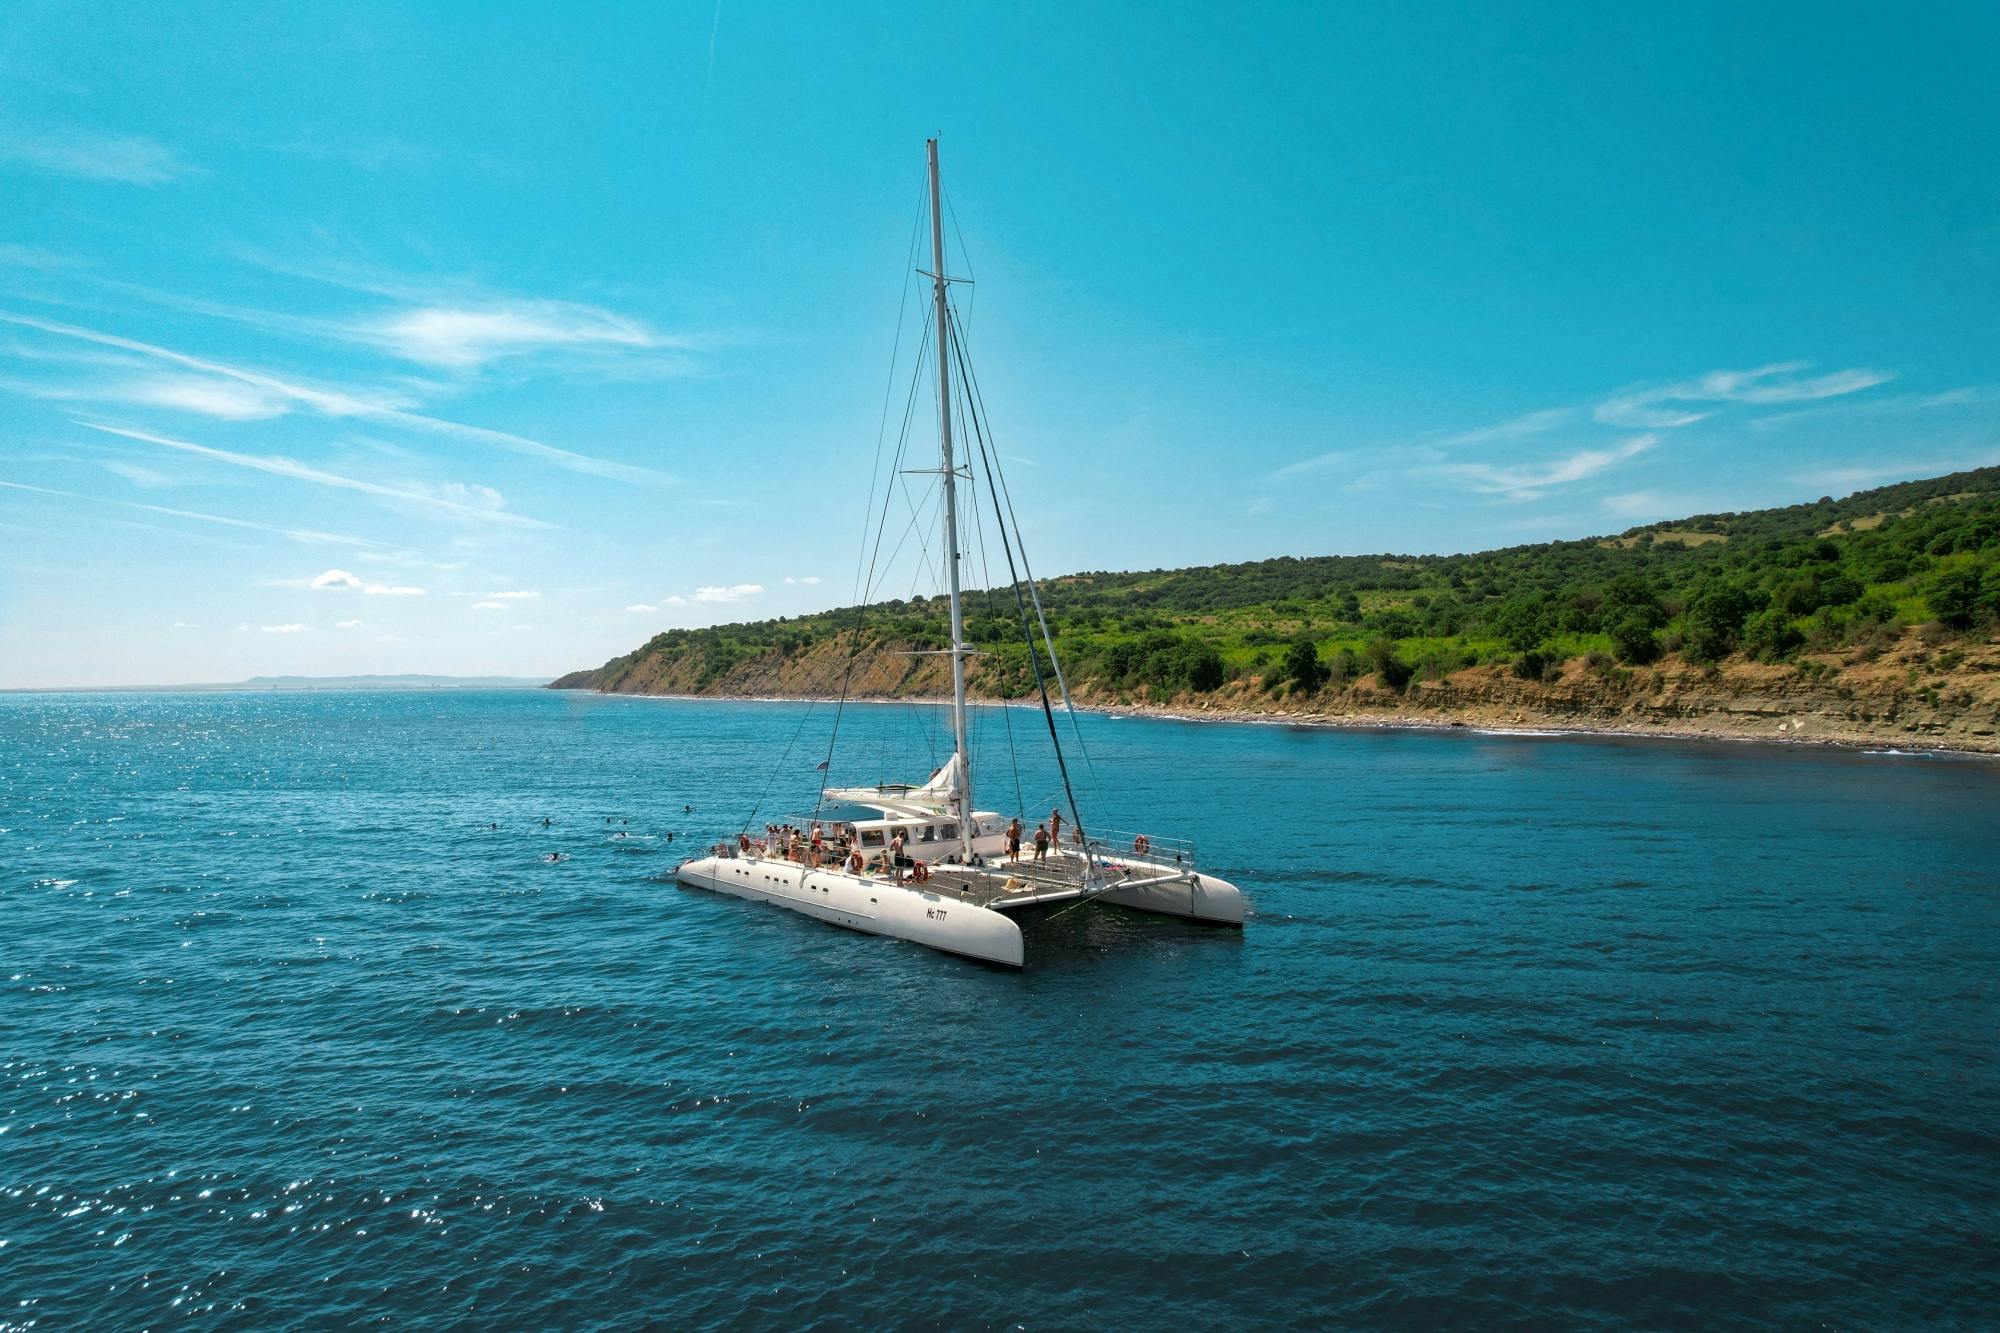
{"x": 877, "y": 906}
{"x": 1202, "y": 898}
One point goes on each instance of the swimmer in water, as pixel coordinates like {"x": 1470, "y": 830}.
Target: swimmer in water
{"x": 545, "y": 821}
{"x": 554, "y": 857}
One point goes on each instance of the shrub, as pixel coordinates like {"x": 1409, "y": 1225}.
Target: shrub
{"x": 1770, "y": 635}
{"x": 1634, "y": 641}
{"x": 1202, "y": 665}
{"x": 1303, "y": 667}
{"x": 1955, "y": 597}
{"x": 1390, "y": 669}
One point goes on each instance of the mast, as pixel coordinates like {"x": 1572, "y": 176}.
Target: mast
{"x": 963, "y": 795}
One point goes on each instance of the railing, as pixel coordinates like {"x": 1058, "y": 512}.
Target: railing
{"x": 1126, "y": 844}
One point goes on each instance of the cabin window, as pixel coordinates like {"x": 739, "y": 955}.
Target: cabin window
{"x": 927, "y": 834}
{"x": 871, "y": 837}
{"x": 948, "y": 831}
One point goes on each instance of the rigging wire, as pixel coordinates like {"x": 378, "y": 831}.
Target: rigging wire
{"x": 986, "y": 576}
{"x": 1021, "y": 605}
{"x": 865, "y": 582}
{"x": 1048, "y": 638}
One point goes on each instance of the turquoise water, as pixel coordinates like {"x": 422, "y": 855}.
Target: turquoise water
{"x": 1520, "y": 1032}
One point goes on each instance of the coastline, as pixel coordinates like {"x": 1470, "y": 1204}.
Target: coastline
{"x": 1738, "y": 729}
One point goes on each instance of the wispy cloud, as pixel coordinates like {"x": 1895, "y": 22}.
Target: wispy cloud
{"x": 735, "y": 592}
{"x": 129, "y": 159}
{"x": 807, "y": 579}
{"x": 1312, "y": 464}
{"x": 1531, "y": 481}
{"x": 258, "y": 394}
{"x": 467, "y": 338}
{"x": 1971, "y": 396}
{"x": 207, "y": 397}
{"x": 517, "y": 595}
{"x": 642, "y": 606}
{"x": 349, "y": 624}
{"x": 1515, "y": 428}
{"x": 489, "y": 606}
{"x": 392, "y": 590}
{"x": 305, "y": 535}
{"x": 1670, "y": 406}
{"x": 287, "y": 629}
{"x": 285, "y": 467}
{"x": 335, "y": 580}
{"x": 1862, "y": 476}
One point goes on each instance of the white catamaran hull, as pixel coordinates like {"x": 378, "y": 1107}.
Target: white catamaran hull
{"x": 1199, "y": 898}
{"x": 877, "y": 906}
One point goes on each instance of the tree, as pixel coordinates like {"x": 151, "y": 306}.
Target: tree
{"x": 1954, "y": 597}
{"x": 1521, "y": 622}
{"x": 1770, "y": 635}
{"x": 1390, "y": 669}
{"x": 1202, "y": 667}
{"x": 1714, "y": 619}
{"x": 1303, "y": 667}
{"x": 1634, "y": 642}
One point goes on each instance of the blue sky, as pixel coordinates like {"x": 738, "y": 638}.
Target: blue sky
{"x": 495, "y": 338}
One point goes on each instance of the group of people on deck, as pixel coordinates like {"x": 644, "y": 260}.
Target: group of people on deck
{"x": 1048, "y": 837}
{"x": 819, "y": 847}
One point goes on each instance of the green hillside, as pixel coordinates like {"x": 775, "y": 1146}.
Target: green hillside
{"x": 1852, "y": 575}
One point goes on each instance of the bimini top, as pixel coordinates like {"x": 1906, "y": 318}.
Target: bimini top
{"x": 935, "y": 797}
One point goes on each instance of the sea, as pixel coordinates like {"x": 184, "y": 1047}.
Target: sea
{"x": 301, "y": 1028}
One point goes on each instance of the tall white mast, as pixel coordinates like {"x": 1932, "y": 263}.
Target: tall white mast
{"x": 963, "y": 794}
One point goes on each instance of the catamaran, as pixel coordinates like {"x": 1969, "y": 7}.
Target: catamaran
{"x": 926, "y": 866}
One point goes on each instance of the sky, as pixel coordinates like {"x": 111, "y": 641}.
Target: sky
{"x": 494, "y": 339}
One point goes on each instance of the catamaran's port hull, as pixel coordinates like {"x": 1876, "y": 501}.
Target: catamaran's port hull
{"x": 879, "y": 907}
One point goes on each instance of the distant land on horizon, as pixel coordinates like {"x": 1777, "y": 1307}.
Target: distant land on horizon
{"x": 1860, "y": 620}
{"x": 403, "y": 682}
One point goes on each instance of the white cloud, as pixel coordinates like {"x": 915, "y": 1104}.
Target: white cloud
{"x": 130, "y": 159}
{"x": 1860, "y": 477}
{"x": 139, "y": 476}
{"x": 222, "y": 398}
{"x": 1313, "y": 464}
{"x": 807, "y": 579}
{"x": 296, "y": 534}
{"x": 1665, "y": 407}
{"x": 736, "y": 592}
{"x": 641, "y": 606}
{"x": 285, "y": 467}
{"x": 1532, "y": 423}
{"x": 519, "y": 595}
{"x": 349, "y": 624}
{"x": 287, "y": 629}
{"x": 182, "y": 624}
{"x": 466, "y": 338}
{"x": 1970, "y": 396}
{"x": 386, "y": 590}
{"x": 489, "y": 606}
{"x": 343, "y": 403}
{"x": 336, "y": 580}
{"x": 1528, "y": 482}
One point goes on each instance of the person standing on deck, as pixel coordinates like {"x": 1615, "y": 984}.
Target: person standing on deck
{"x": 1041, "y": 842}
{"x": 1014, "y": 839}
{"x": 1055, "y": 828}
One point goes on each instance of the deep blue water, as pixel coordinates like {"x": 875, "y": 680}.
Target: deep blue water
{"x": 1520, "y": 1032}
